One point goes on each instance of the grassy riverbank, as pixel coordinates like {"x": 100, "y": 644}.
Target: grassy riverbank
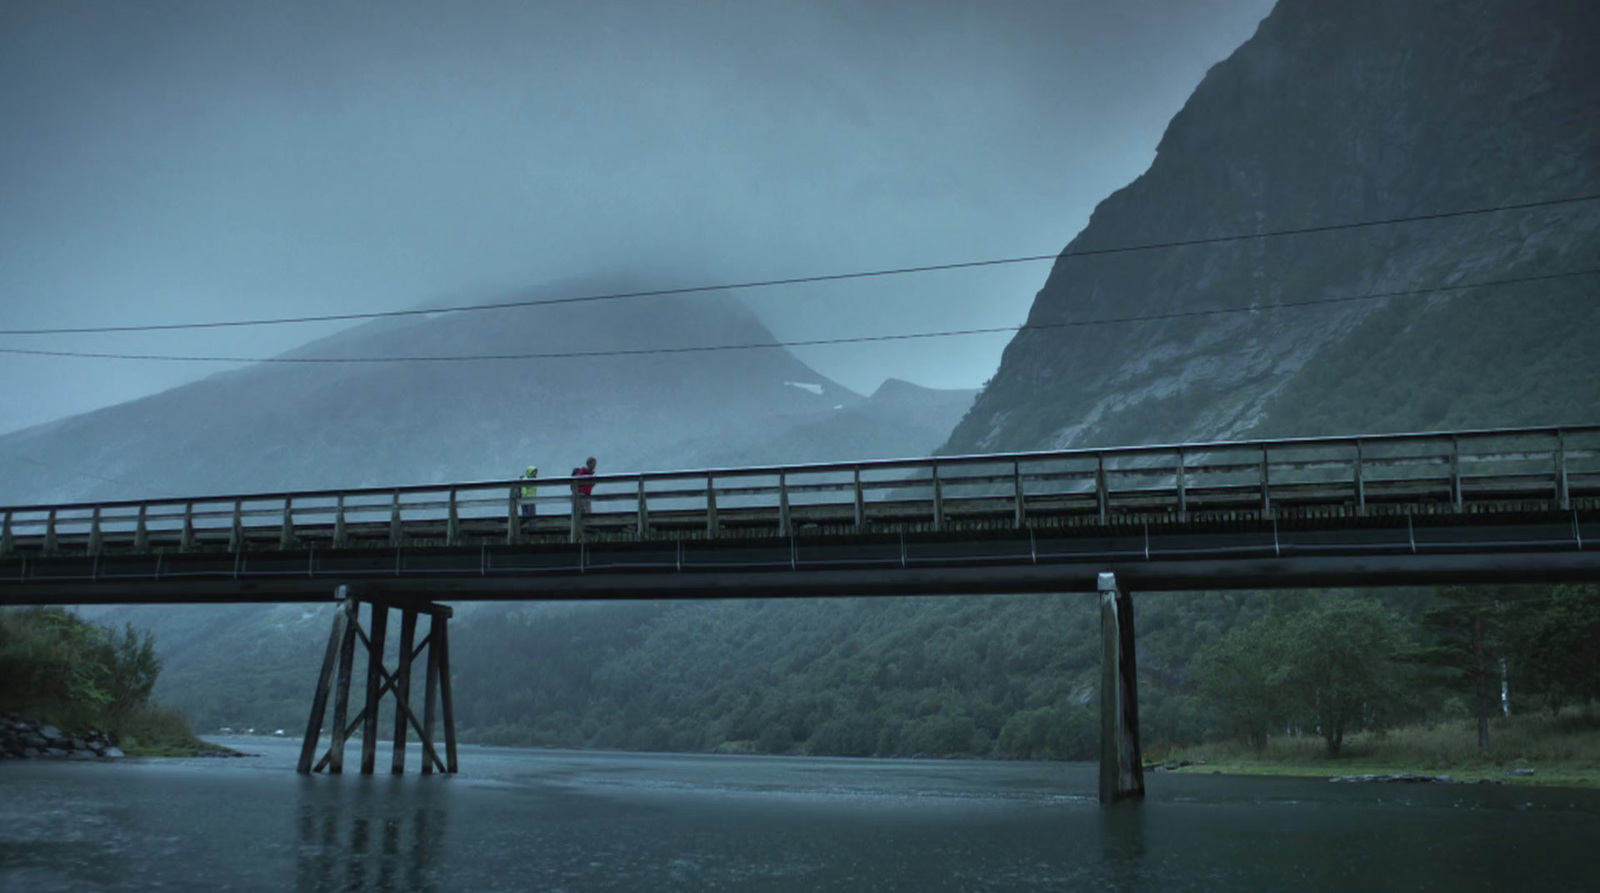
{"x": 1562, "y": 750}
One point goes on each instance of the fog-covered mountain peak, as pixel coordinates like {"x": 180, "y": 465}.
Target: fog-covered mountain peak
{"x": 484, "y": 394}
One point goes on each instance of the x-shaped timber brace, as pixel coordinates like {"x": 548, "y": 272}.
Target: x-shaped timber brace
{"x": 342, "y": 651}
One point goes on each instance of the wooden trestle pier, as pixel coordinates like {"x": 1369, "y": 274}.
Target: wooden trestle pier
{"x": 336, "y": 677}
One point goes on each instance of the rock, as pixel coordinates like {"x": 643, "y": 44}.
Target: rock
{"x": 113, "y": 753}
{"x": 1172, "y": 765}
{"x": 1404, "y": 778}
{"x": 1522, "y": 772}
{"x": 50, "y": 733}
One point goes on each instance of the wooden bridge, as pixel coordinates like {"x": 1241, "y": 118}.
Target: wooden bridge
{"x": 1511, "y": 505}
{"x": 1457, "y": 506}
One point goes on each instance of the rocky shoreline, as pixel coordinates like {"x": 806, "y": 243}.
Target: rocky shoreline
{"x": 22, "y": 738}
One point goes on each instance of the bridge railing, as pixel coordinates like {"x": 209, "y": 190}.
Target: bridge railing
{"x": 1410, "y": 473}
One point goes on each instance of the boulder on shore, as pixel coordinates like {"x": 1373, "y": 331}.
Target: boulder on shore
{"x": 1404, "y": 778}
{"x": 25, "y": 738}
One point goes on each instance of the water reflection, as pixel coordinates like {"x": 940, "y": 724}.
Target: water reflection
{"x": 1122, "y": 848}
{"x": 373, "y": 834}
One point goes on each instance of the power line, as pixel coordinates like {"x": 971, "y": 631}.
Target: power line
{"x": 908, "y": 336}
{"x": 804, "y": 280}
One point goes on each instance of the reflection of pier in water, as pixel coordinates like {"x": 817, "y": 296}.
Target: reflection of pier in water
{"x": 387, "y": 837}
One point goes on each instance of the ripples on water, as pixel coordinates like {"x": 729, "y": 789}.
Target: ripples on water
{"x": 563, "y": 821}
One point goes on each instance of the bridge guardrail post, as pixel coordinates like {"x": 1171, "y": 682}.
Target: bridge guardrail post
{"x": 783, "y": 504}
{"x": 50, "y": 534}
{"x": 1361, "y": 483}
{"x": 861, "y": 503}
{"x": 1021, "y": 515}
{"x": 1183, "y": 489}
{"x": 141, "y": 531}
{"x": 286, "y": 535}
{"x": 513, "y": 524}
{"x": 452, "y": 530}
{"x": 1455, "y": 473}
{"x": 338, "y": 525}
{"x": 575, "y": 534}
{"x": 1266, "y": 483}
{"x": 938, "y": 499}
{"x": 6, "y": 545}
{"x": 1563, "y": 497}
{"x": 711, "y": 507}
{"x": 187, "y": 543}
{"x": 1101, "y": 496}
{"x": 644, "y": 511}
{"x": 396, "y": 532}
{"x": 236, "y": 540}
{"x": 94, "y": 533}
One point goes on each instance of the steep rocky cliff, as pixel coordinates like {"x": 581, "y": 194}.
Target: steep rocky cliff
{"x": 1337, "y": 113}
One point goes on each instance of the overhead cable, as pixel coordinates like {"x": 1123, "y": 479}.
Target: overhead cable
{"x": 815, "y": 342}
{"x": 803, "y": 280}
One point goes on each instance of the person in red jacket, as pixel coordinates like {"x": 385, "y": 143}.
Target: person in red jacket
{"x": 580, "y": 505}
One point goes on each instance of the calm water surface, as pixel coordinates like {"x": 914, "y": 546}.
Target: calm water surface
{"x": 565, "y": 821}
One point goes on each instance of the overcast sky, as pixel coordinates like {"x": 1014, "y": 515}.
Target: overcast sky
{"x": 210, "y": 160}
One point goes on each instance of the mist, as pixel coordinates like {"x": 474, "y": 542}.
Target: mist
{"x": 193, "y": 161}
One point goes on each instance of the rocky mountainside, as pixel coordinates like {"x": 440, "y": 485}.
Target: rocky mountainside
{"x": 279, "y": 425}
{"x": 1336, "y": 113}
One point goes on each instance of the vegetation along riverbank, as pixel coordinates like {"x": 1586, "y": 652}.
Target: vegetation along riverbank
{"x": 1543, "y": 748}
{"x": 65, "y": 680}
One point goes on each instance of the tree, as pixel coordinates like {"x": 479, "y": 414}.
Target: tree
{"x": 1339, "y": 667}
{"x": 1238, "y": 680}
{"x": 1470, "y": 640}
{"x": 1555, "y": 651}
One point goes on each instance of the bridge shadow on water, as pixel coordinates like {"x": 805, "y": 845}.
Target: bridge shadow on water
{"x": 1122, "y": 844}
{"x": 369, "y": 834}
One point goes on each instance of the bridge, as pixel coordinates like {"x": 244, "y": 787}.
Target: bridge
{"x": 1509, "y": 505}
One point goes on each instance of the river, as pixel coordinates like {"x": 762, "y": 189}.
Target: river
{"x": 573, "y": 821}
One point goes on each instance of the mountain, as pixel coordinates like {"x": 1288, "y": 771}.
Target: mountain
{"x": 899, "y": 415}
{"x": 1331, "y": 114}
{"x": 293, "y": 425}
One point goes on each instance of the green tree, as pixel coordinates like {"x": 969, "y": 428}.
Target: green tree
{"x": 1556, "y": 651}
{"x": 1469, "y": 641}
{"x": 128, "y": 668}
{"x": 1341, "y": 667}
{"x": 1239, "y": 677}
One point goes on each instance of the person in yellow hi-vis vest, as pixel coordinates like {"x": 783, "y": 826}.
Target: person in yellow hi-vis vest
{"x": 526, "y": 506}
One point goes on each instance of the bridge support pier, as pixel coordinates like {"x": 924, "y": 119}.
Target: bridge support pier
{"x": 335, "y": 678}
{"x": 1121, "y": 762}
